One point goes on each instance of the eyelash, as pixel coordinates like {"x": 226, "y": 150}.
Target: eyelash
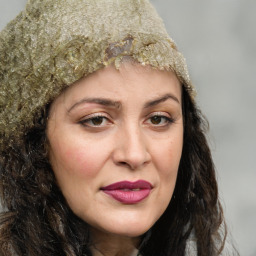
{"x": 168, "y": 120}
{"x": 85, "y": 122}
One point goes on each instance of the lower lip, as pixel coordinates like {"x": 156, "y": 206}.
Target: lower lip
{"x": 128, "y": 197}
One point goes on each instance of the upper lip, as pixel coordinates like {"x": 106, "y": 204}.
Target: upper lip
{"x": 139, "y": 184}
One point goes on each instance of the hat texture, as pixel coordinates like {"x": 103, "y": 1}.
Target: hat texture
{"x": 53, "y": 43}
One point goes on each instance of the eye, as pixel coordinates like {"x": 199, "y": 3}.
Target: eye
{"x": 159, "y": 120}
{"x": 95, "y": 121}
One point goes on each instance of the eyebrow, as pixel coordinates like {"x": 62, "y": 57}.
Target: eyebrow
{"x": 117, "y": 104}
{"x": 160, "y": 100}
{"x": 100, "y": 101}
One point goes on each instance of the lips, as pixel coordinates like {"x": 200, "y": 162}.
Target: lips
{"x": 128, "y": 192}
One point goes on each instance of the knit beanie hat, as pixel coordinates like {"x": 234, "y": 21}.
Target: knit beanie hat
{"x": 53, "y": 43}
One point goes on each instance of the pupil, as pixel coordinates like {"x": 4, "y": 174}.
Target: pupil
{"x": 97, "y": 120}
{"x": 156, "y": 120}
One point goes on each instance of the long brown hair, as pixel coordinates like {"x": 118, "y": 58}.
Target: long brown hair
{"x": 37, "y": 221}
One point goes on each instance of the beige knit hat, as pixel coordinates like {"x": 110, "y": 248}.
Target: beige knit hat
{"x": 53, "y": 43}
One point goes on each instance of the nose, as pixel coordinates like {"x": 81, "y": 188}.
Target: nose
{"x": 131, "y": 149}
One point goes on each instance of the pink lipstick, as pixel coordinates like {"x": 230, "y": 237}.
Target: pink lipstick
{"x": 128, "y": 192}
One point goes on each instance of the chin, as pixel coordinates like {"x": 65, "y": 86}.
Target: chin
{"x": 129, "y": 229}
{"x": 133, "y": 232}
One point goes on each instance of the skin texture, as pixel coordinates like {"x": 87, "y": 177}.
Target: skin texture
{"x": 138, "y": 136}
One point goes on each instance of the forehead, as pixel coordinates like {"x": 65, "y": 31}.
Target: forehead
{"x": 131, "y": 80}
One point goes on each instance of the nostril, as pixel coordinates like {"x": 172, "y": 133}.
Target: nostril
{"x": 123, "y": 163}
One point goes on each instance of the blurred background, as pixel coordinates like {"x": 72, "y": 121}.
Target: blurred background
{"x": 218, "y": 39}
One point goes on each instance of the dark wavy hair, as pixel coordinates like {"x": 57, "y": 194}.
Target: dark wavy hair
{"x": 37, "y": 220}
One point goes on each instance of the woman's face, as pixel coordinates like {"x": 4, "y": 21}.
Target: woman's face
{"x": 115, "y": 145}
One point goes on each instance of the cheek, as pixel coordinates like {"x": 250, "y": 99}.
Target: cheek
{"x": 80, "y": 161}
{"x": 168, "y": 156}
{"x": 74, "y": 157}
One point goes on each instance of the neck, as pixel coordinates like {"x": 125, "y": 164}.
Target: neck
{"x": 105, "y": 244}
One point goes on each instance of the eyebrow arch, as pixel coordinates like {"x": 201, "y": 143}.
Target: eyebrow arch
{"x": 117, "y": 104}
{"x": 100, "y": 101}
{"x": 160, "y": 99}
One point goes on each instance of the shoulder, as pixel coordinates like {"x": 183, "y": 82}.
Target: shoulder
{"x": 228, "y": 249}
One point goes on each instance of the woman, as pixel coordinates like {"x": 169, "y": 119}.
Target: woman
{"x": 103, "y": 148}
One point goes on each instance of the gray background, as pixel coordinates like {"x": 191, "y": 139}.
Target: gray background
{"x": 218, "y": 39}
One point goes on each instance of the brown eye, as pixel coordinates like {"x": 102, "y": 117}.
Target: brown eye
{"x": 97, "y": 120}
{"x": 159, "y": 120}
{"x": 156, "y": 119}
